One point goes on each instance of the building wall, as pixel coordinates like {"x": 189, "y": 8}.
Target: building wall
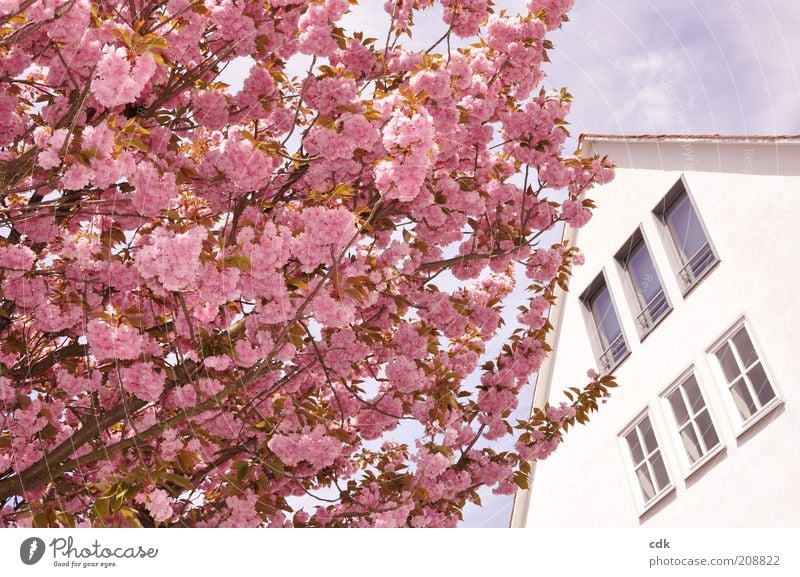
{"x": 752, "y": 221}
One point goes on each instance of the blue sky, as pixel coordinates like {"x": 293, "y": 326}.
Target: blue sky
{"x": 687, "y": 66}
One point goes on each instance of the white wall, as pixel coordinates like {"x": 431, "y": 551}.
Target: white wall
{"x": 752, "y": 221}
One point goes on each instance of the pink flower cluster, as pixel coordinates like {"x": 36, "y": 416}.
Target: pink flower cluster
{"x": 153, "y": 190}
{"x": 326, "y": 232}
{"x": 158, "y": 504}
{"x": 109, "y": 342}
{"x": 172, "y": 258}
{"x": 143, "y": 381}
{"x": 554, "y": 9}
{"x": 16, "y": 260}
{"x": 115, "y": 83}
{"x": 314, "y": 447}
{"x": 246, "y": 167}
{"x": 543, "y": 265}
{"x": 410, "y": 137}
{"x": 576, "y": 214}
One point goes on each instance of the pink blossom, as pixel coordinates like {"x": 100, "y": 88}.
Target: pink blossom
{"x": 246, "y": 167}
{"x": 153, "y": 190}
{"x": 8, "y": 7}
{"x": 16, "y": 260}
{"x": 211, "y": 109}
{"x": 173, "y": 259}
{"x": 314, "y": 447}
{"x": 326, "y": 233}
{"x": 554, "y": 10}
{"x": 158, "y": 505}
{"x": 142, "y": 380}
{"x": 541, "y": 216}
{"x": 543, "y": 265}
{"x": 560, "y": 413}
{"x": 115, "y": 82}
{"x": 98, "y": 139}
{"x": 50, "y": 146}
{"x": 107, "y": 342}
{"x": 576, "y": 214}
{"x": 431, "y": 464}
{"x": 404, "y": 375}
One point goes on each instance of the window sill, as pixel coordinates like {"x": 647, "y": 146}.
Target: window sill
{"x": 615, "y": 366}
{"x": 759, "y": 416}
{"x": 704, "y": 461}
{"x": 665, "y": 492}
{"x": 643, "y": 334}
{"x": 697, "y": 281}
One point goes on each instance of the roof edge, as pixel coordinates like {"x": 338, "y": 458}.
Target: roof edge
{"x": 689, "y": 137}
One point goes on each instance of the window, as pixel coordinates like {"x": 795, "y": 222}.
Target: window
{"x": 648, "y": 464}
{"x": 695, "y": 254}
{"x": 695, "y": 427}
{"x": 744, "y": 373}
{"x": 648, "y": 297}
{"x": 606, "y": 332}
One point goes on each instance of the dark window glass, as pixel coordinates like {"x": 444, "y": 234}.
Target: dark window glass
{"x": 744, "y": 347}
{"x": 693, "y": 392}
{"x": 685, "y": 228}
{"x": 707, "y": 430}
{"x": 636, "y": 449}
{"x": 679, "y": 407}
{"x": 649, "y": 436}
{"x": 744, "y": 402}
{"x": 689, "y": 238}
{"x": 728, "y": 362}
{"x": 643, "y": 275}
{"x": 605, "y": 317}
{"x": 758, "y": 378}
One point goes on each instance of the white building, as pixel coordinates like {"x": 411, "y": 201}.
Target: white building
{"x": 689, "y": 296}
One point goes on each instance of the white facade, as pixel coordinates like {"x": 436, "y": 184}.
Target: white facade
{"x": 747, "y": 195}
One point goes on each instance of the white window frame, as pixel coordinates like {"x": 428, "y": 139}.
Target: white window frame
{"x": 681, "y": 188}
{"x": 690, "y": 468}
{"x": 601, "y": 280}
{"x": 635, "y": 241}
{"x": 643, "y": 506}
{"x": 740, "y": 425}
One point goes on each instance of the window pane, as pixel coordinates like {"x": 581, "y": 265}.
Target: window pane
{"x": 728, "y": 362}
{"x": 741, "y": 396}
{"x": 650, "y": 442}
{"x": 691, "y": 444}
{"x": 643, "y": 276}
{"x": 693, "y": 393}
{"x": 636, "y": 450}
{"x": 662, "y": 479}
{"x": 685, "y": 227}
{"x": 758, "y": 378}
{"x": 604, "y": 316}
{"x": 678, "y": 407}
{"x": 707, "y": 430}
{"x": 745, "y": 347}
{"x": 648, "y": 490}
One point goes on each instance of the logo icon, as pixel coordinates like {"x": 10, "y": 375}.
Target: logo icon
{"x": 31, "y": 551}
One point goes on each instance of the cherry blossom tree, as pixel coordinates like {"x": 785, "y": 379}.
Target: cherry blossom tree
{"x": 219, "y": 307}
